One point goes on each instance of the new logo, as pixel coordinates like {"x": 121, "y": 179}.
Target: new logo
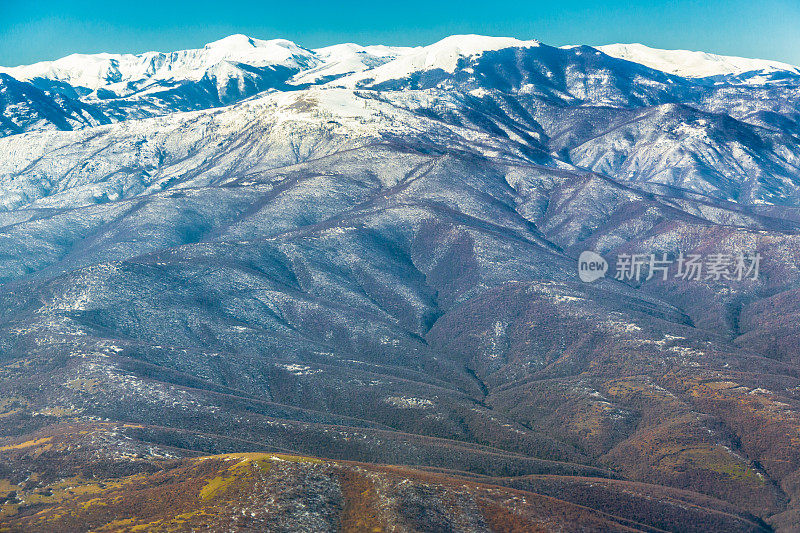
{"x": 591, "y": 266}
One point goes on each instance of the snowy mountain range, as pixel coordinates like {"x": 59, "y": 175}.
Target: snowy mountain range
{"x": 125, "y": 73}
{"x": 114, "y": 87}
{"x": 370, "y": 254}
{"x": 536, "y": 98}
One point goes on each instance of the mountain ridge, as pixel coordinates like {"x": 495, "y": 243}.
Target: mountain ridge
{"x": 667, "y": 59}
{"x": 689, "y": 63}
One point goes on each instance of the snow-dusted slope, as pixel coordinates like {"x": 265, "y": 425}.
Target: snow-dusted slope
{"x": 24, "y": 107}
{"x": 199, "y": 148}
{"x": 691, "y": 64}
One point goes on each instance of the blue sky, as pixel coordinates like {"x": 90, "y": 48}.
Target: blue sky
{"x": 46, "y": 29}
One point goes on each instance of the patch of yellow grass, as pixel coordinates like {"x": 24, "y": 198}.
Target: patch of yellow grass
{"x": 216, "y": 486}
{"x": 6, "y": 487}
{"x": 27, "y": 444}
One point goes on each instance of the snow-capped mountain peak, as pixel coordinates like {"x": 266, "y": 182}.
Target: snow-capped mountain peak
{"x": 445, "y": 54}
{"x": 238, "y": 40}
{"x": 347, "y": 58}
{"x": 244, "y": 49}
{"x": 470, "y": 45}
{"x": 103, "y": 70}
{"x": 442, "y": 55}
{"x": 691, "y": 64}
